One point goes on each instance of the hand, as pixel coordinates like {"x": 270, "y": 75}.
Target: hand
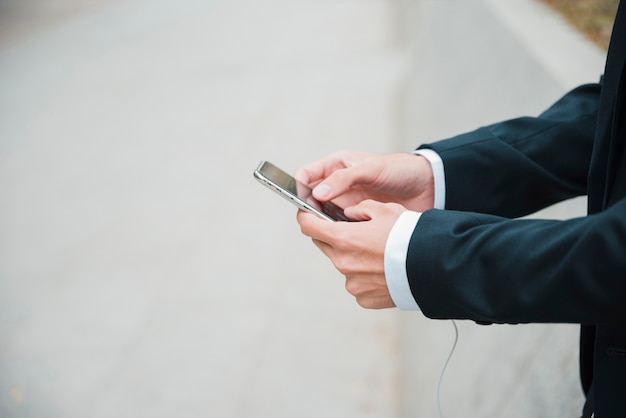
{"x": 357, "y": 249}
{"x": 350, "y": 177}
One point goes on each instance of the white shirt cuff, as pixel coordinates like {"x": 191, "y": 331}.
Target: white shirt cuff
{"x": 396, "y": 250}
{"x": 439, "y": 175}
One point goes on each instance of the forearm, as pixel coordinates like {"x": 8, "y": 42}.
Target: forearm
{"x": 400, "y": 236}
{"x": 519, "y": 166}
{"x": 492, "y": 269}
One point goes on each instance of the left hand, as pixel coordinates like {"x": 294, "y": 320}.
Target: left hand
{"x": 357, "y": 249}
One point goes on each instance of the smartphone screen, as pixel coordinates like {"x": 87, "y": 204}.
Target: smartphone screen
{"x": 298, "y": 193}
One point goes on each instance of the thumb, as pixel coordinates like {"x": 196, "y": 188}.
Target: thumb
{"x": 364, "y": 211}
{"x": 369, "y": 209}
{"x": 341, "y": 181}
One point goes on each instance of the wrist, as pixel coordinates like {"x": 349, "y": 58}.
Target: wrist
{"x": 435, "y": 178}
{"x": 396, "y": 249}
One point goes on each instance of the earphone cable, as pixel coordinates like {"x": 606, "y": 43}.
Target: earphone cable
{"x": 445, "y": 366}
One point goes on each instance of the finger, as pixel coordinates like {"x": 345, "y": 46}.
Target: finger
{"x": 325, "y": 248}
{"x": 315, "y": 227}
{"x": 369, "y": 209}
{"x": 370, "y": 290}
{"x": 375, "y": 301}
{"x": 364, "y": 211}
{"x": 341, "y": 180}
{"x": 319, "y": 170}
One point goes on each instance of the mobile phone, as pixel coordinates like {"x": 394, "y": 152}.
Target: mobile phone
{"x": 296, "y": 192}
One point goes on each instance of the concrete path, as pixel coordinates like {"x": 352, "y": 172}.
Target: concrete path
{"x": 144, "y": 273}
{"x": 475, "y": 63}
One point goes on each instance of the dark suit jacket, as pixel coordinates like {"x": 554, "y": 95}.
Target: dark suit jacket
{"x": 474, "y": 261}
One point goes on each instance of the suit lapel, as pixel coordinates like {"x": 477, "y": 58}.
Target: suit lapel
{"x": 608, "y": 155}
{"x": 615, "y": 187}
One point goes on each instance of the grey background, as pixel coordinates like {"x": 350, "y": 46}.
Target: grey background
{"x": 143, "y": 272}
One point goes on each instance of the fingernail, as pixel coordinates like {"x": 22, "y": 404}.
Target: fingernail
{"x": 322, "y": 191}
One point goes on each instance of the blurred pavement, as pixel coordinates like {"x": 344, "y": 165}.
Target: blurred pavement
{"x": 144, "y": 273}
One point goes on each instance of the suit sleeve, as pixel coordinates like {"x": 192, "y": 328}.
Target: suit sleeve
{"x": 464, "y": 265}
{"x": 519, "y": 166}
{"x": 490, "y": 268}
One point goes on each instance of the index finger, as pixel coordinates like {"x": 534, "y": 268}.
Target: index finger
{"x": 318, "y": 170}
{"x": 315, "y": 227}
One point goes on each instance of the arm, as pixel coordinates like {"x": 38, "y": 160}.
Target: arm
{"x": 487, "y": 268}
{"x": 519, "y": 166}
{"x": 470, "y": 184}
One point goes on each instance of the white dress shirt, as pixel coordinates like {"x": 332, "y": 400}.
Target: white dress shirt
{"x": 398, "y": 240}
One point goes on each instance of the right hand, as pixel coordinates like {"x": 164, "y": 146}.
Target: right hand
{"x": 351, "y": 177}
{"x": 357, "y": 249}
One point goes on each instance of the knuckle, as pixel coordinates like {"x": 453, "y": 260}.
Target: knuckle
{"x": 344, "y": 264}
{"x": 342, "y": 241}
{"x": 304, "y": 225}
{"x": 365, "y": 302}
{"x": 396, "y": 207}
{"x": 353, "y": 287}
